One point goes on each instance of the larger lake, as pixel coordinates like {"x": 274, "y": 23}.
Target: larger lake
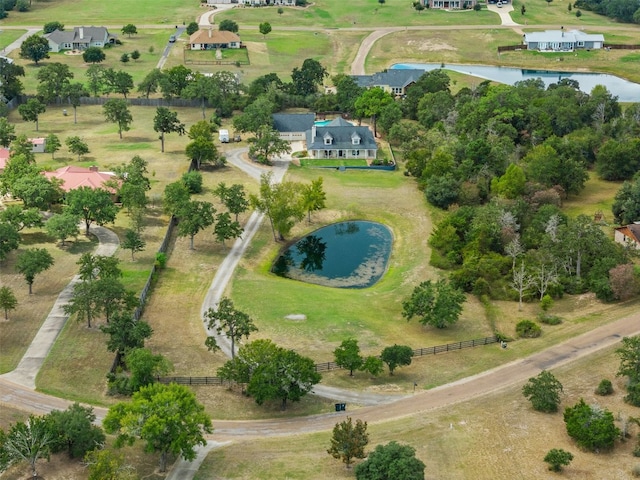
{"x": 344, "y": 255}
{"x": 625, "y": 90}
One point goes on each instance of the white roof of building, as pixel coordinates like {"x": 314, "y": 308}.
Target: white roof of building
{"x": 562, "y": 36}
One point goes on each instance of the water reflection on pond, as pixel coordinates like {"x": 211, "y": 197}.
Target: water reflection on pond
{"x": 344, "y": 255}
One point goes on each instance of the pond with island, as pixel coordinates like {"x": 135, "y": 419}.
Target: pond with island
{"x": 352, "y": 254}
{"x": 625, "y": 90}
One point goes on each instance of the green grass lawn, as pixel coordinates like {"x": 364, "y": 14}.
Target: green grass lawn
{"x": 356, "y": 14}
{"x": 115, "y": 12}
{"x": 9, "y": 36}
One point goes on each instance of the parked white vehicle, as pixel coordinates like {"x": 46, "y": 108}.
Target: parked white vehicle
{"x": 223, "y": 136}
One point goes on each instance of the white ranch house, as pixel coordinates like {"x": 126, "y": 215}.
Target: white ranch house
{"x": 80, "y": 38}
{"x": 561, "y": 41}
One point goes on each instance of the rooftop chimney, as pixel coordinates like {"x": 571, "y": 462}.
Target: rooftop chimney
{"x": 81, "y": 32}
{"x": 93, "y": 168}
{"x": 210, "y": 32}
{"x": 313, "y": 133}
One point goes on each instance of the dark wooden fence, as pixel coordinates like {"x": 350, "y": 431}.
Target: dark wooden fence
{"x": 508, "y": 48}
{"x": 327, "y": 366}
{"x": 620, "y": 46}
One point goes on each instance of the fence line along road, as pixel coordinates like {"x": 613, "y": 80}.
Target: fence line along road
{"x": 327, "y": 366}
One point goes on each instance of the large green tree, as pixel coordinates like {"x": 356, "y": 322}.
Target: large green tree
{"x": 544, "y": 392}
{"x": 167, "y": 418}
{"x": 93, "y": 55}
{"x": 32, "y": 262}
{"x": 592, "y": 427}
{"x": 256, "y": 115}
{"x": 34, "y": 48}
{"x": 117, "y": 111}
{"x": 194, "y": 216}
{"x": 226, "y": 319}
{"x": 392, "y": 461}
{"x": 93, "y": 205}
{"x": 371, "y": 103}
{"x": 9, "y": 239}
{"x": 307, "y": 78}
{"x": 21, "y": 218}
{"x": 233, "y": 197}
{"x": 629, "y": 353}
{"x": 281, "y": 202}
{"x": 349, "y": 440}
{"x": 166, "y": 122}
{"x": 62, "y": 226}
{"x": 10, "y": 84}
{"x": 266, "y": 144}
{"x": 53, "y": 80}
{"x": 7, "y": 132}
{"x": 74, "y": 431}
{"x": 396, "y": 356}
{"x": 438, "y": 304}
{"x": 30, "y": 111}
{"x": 626, "y": 205}
{"x": 125, "y": 333}
{"x": 347, "y": 355}
{"x": 76, "y": 145}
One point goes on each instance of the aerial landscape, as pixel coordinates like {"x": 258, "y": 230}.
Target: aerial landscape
{"x": 289, "y": 239}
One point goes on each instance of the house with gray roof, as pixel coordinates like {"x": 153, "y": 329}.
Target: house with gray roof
{"x": 293, "y": 126}
{"x": 80, "y": 38}
{"x": 561, "y": 41}
{"x": 394, "y": 81}
{"x": 450, "y": 4}
{"x": 340, "y": 139}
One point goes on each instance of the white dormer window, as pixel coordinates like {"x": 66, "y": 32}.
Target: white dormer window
{"x": 328, "y": 139}
{"x": 355, "y": 139}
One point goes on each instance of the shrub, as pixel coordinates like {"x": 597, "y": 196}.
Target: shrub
{"x": 161, "y": 260}
{"x": 592, "y": 427}
{"x": 193, "y": 181}
{"x": 528, "y": 329}
{"x": 635, "y": 471}
{"x": 605, "y": 387}
{"x": 557, "y": 458}
{"x": 548, "y": 319}
{"x": 477, "y": 7}
{"x": 546, "y": 303}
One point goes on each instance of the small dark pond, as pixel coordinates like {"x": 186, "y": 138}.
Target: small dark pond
{"x": 342, "y": 255}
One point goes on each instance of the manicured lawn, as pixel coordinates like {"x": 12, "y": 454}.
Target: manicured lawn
{"x": 115, "y": 12}
{"x": 556, "y": 13}
{"x": 356, "y": 14}
{"x": 9, "y": 36}
{"x": 197, "y": 58}
{"x": 311, "y": 163}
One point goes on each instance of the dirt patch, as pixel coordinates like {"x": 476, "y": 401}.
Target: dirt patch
{"x": 430, "y": 46}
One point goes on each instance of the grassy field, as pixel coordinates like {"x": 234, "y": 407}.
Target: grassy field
{"x": 282, "y": 51}
{"x": 496, "y": 436}
{"x": 8, "y": 36}
{"x": 356, "y": 14}
{"x": 115, "y": 12}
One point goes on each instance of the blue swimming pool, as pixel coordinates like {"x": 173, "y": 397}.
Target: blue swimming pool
{"x": 322, "y": 123}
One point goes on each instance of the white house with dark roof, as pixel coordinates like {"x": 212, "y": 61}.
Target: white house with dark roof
{"x": 340, "y": 139}
{"x": 561, "y": 41}
{"x": 293, "y": 126}
{"x": 80, "y": 38}
{"x": 394, "y": 81}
